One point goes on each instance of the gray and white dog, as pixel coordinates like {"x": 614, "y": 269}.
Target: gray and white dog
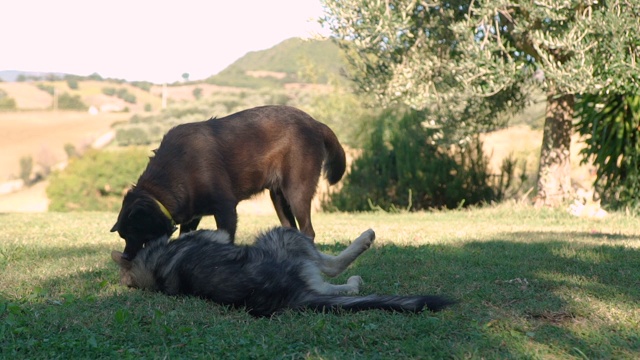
{"x": 282, "y": 270}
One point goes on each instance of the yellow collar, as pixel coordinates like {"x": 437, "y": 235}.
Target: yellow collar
{"x": 165, "y": 211}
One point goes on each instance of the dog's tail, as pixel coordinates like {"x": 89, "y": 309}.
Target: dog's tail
{"x": 335, "y": 162}
{"x": 414, "y": 303}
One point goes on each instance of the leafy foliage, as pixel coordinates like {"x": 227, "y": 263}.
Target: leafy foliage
{"x": 109, "y": 91}
{"x": 26, "y": 167}
{"x": 6, "y": 103}
{"x": 72, "y": 82}
{"x": 71, "y": 102}
{"x": 132, "y": 136}
{"x": 610, "y": 126}
{"x": 143, "y": 85}
{"x": 339, "y": 109}
{"x": 469, "y": 61}
{"x": 97, "y": 180}
{"x": 423, "y": 53}
{"x": 402, "y": 166}
{"x": 46, "y": 88}
{"x": 121, "y": 93}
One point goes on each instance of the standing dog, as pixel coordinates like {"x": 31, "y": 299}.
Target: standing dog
{"x": 208, "y": 167}
{"x": 281, "y": 270}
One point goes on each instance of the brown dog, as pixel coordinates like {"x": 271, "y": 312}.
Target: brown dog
{"x": 208, "y": 167}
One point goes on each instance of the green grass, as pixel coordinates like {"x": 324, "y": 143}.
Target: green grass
{"x": 532, "y": 284}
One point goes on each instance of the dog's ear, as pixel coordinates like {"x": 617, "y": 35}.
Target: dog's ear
{"x": 117, "y": 257}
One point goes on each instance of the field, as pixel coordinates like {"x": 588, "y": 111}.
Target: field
{"x": 43, "y": 134}
{"x": 531, "y": 284}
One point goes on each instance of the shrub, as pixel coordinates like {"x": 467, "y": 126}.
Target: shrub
{"x": 71, "y": 102}
{"x": 97, "y": 181}
{"x": 72, "y": 83}
{"x": 402, "y": 167}
{"x": 197, "y": 93}
{"x": 125, "y": 95}
{"x": 26, "y": 166}
{"x": 6, "y": 103}
{"x": 71, "y": 151}
{"x": 142, "y": 85}
{"x": 109, "y": 91}
{"x": 132, "y": 136}
{"x": 46, "y": 88}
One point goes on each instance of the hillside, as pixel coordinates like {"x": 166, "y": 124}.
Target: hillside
{"x": 291, "y": 61}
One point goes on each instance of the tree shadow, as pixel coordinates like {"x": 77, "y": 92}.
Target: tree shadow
{"x": 541, "y": 289}
{"x": 511, "y": 293}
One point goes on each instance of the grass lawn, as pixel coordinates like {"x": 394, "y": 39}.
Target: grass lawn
{"x": 531, "y": 284}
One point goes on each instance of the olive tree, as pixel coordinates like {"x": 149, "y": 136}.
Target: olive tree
{"x": 470, "y": 61}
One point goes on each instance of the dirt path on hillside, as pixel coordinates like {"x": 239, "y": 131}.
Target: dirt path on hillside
{"x": 31, "y": 199}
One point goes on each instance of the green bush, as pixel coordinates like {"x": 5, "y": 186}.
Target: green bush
{"x": 142, "y": 85}
{"x": 6, "y": 103}
{"x": 109, "y": 91}
{"x": 71, "y": 151}
{"x": 121, "y": 93}
{"x": 132, "y": 136}
{"x": 96, "y": 181}
{"x": 197, "y": 93}
{"x": 402, "y": 167}
{"x": 71, "y": 102}
{"x": 72, "y": 83}
{"x": 125, "y": 95}
{"x": 46, "y": 88}
{"x": 26, "y": 166}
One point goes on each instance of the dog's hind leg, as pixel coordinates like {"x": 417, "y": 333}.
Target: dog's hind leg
{"x": 335, "y": 265}
{"x": 283, "y": 209}
{"x": 314, "y": 280}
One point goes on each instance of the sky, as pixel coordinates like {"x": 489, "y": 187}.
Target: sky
{"x": 142, "y": 40}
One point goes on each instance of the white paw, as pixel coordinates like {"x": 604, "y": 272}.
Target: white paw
{"x": 366, "y": 239}
{"x": 354, "y": 283}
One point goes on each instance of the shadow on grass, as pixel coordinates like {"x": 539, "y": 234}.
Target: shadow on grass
{"x": 518, "y": 298}
{"x": 544, "y": 289}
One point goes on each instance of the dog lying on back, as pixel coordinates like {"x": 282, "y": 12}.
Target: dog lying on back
{"x": 282, "y": 270}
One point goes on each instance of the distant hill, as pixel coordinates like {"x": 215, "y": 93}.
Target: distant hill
{"x": 13, "y": 75}
{"x": 292, "y": 61}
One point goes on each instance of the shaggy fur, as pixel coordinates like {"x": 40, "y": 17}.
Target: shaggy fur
{"x": 282, "y": 270}
{"x": 208, "y": 167}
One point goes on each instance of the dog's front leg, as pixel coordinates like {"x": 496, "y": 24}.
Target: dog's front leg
{"x": 190, "y": 226}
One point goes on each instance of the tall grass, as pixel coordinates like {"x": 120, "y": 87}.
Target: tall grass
{"x": 531, "y": 284}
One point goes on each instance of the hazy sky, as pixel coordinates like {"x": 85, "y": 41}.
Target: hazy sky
{"x": 146, "y": 40}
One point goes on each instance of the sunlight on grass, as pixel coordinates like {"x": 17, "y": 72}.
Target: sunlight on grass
{"x": 531, "y": 283}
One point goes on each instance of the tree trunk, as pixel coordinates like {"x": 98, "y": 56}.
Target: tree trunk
{"x": 554, "y": 173}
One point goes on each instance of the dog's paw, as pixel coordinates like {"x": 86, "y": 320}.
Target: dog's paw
{"x": 366, "y": 239}
{"x": 354, "y": 283}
